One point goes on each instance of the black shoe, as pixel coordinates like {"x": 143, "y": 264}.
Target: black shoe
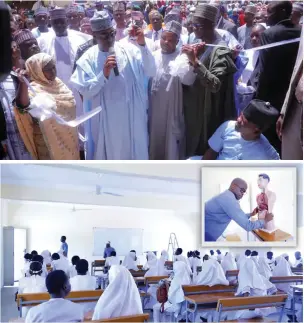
{"x": 204, "y": 320}
{"x": 183, "y": 320}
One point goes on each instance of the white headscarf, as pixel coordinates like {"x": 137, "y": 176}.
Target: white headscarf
{"x": 111, "y": 261}
{"x": 47, "y": 259}
{"x": 241, "y": 261}
{"x": 256, "y": 260}
{"x": 130, "y": 262}
{"x": 212, "y": 274}
{"x": 120, "y": 298}
{"x": 152, "y": 264}
{"x": 282, "y": 269}
{"x": 181, "y": 277}
{"x": 185, "y": 260}
{"x": 228, "y": 262}
{"x": 250, "y": 280}
{"x": 61, "y": 264}
{"x": 162, "y": 271}
{"x": 32, "y": 284}
{"x": 264, "y": 268}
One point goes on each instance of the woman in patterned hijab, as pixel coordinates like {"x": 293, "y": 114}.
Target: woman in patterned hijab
{"x": 47, "y": 139}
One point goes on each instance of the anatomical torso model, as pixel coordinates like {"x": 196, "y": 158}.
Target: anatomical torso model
{"x": 265, "y": 200}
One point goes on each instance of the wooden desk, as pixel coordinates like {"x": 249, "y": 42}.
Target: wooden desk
{"x": 139, "y": 280}
{"x": 277, "y": 235}
{"x": 209, "y": 299}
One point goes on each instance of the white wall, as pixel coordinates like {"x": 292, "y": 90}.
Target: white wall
{"x": 46, "y": 224}
{"x": 282, "y": 182}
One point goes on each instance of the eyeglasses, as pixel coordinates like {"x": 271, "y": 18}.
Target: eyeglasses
{"x": 242, "y": 190}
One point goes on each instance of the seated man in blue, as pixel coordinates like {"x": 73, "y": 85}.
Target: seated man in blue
{"x": 243, "y": 139}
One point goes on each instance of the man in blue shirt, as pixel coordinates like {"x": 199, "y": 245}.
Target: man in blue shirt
{"x": 108, "y": 250}
{"x": 223, "y": 208}
{"x": 64, "y": 246}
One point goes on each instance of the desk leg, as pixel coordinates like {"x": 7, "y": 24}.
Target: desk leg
{"x": 293, "y": 304}
{"x": 20, "y": 308}
{"x": 194, "y": 313}
{"x": 186, "y": 311}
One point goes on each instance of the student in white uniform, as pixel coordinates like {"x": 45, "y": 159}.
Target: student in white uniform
{"x": 264, "y": 268}
{"x": 242, "y": 258}
{"x": 229, "y": 263}
{"x": 32, "y": 284}
{"x": 112, "y": 260}
{"x": 197, "y": 261}
{"x": 47, "y": 257}
{"x": 251, "y": 283}
{"x": 179, "y": 257}
{"x": 175, "y": 292}
{"x": 72, "y": 268}
{"x": 162, "y": 270}
{"x": 286, "y": 256}
{"x": 151, "y": 265}
{"x": 255, "y": 257}
{"x": 212, "y": 274}
{"x": 130, "y": 261}
{"x": 39, "y": 259}
{"x": 57, "y": 309}
{"x": 59, "y": 263}
{"x": 270, "y": 260}
{"x": 120, "y": 298}
{"x": 190, "y": 258}
{"x": 299, "y": 260}
{"x": 212, "y": 255}
{"x": 83, "y": 281}
{"x": 219, "y": 255}
{"x": 282, "y": 268}
{"x": 27, "y": 262}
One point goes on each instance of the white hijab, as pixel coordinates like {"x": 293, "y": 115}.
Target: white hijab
{"x": 256, "y": 260}
{"x": 162, "y": 270}
{"x": 152, "y": 265}
{"x": 251, "y": 281}
{"x": 111, "y": 261}
{"x": 130, "y": 262}
{"x": 264, "y": 268}
{"x": 185, "y": 260}
{"x": 61, "y": 264}
{"x": 32, "y": 284}
{"x": 120, "y": 298}
{"x": 228, "y": 262}
{"x": 47, "y": 259}
{"x": 282, "y": 269}
{"x": 181, "y": 277}
{"x": 241, "y": 261}
{"x": 212, "y": 274}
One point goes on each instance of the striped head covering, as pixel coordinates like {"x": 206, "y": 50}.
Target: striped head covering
{"x": 58, "y": 13}
{"x": 101, "y": 21}
{"x": 251, "y": 9}
{"x": 72, "y": 10}
{"x": 41, "y": 11}
{"x": 206, "y": 11}
{"x": 173, "y": 15}
{"x": 22, "y": 35}
{"x": 173, "y": 27}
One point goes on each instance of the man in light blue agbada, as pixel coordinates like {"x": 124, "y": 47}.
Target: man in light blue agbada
{"x": 120, "y": 131}
{"x": 223, "y": 208}
{"x": 64, "y": 246}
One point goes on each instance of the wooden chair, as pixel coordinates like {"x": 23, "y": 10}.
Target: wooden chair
{"x": 97, "y": 264}
{"x": 33, "y": 299}
{"x": 153, "y": 280}
{"x": 201, "y": 289}
{"x": 131, "y": 318}
{"x": 232, "y": 273}
{"x": 286, "y": 279}
{"x": 247, "y": 303}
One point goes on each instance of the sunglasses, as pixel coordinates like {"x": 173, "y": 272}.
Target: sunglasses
{"x": 107, "y": 36}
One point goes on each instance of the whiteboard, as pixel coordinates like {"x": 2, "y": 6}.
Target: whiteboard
{"x": 122, "y": 240}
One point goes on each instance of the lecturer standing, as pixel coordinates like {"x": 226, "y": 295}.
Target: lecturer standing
{"x": 223, "y": 208}
{"x": 108, "y": 250}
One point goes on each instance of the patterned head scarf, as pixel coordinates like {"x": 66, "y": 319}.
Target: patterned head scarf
{"x": 35, "y": 64}
{"x": 207, "y": 11}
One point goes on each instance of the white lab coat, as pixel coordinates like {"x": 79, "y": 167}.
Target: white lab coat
{"x": 56, "y": 310}
{"x": 120, "y": 298}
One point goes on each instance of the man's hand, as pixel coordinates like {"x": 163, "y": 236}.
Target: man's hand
{"x": 279, "y": 127}
{"x": 110, "y": 63}
{"x": 199, "y": 49}
{"x": 139, "y": 33}
{"x": 268, "y": 217}
{"x": 236, "y": 51}
{"x": 254, "y": 212}
{"x": 190, "y": 52}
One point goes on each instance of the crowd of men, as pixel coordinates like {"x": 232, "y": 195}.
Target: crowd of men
{"x": 174, "y": 80}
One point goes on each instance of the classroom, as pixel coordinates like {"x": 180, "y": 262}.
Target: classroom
{"x": 147, "y": 213}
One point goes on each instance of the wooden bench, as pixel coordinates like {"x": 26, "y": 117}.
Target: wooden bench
{"x": 286, "y": 279}
{"x": 247, "y": 303}
{"x": 296, "y": 270}
{"x": 153, "y": 280}
{"x": 131, "y": 318}
{"x": 232, "y": 273}
{"x": 202, "y": 289}
{"x": 99, "y": 264}
{"x": 33, "y": 299}
{"x": 138, "y": 273}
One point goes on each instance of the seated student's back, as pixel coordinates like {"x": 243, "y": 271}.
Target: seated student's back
{"x": 82, "y": 281}
{"x": 57, "y": 309}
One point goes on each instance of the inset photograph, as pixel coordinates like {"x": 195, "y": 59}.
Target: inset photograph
{"x": 249, "y": 205}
